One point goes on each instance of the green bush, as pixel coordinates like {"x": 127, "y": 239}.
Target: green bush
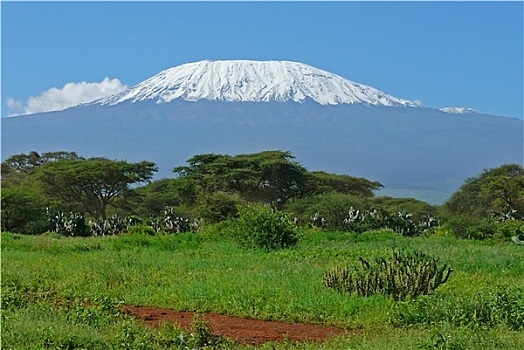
{"x": 23, "y": 211}
{"x": 403, "y": 275}
{"x": 331, "y": 206}
{"x": 260, "y": 227}
{"x": 471, "y": 228}
{"x": 72, "y": 224}
{"x": 218, "y": 206}
{"x": 507, "y": 229}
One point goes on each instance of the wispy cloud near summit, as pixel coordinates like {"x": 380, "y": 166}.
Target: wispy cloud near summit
{"x": 71, "y": 94}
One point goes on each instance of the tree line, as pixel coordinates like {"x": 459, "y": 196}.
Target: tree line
{"x": 211, "y": 187}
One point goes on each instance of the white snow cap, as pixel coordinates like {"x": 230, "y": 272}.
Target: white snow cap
{"x": 255, "y": 81}
{"x": 458, "y": 110}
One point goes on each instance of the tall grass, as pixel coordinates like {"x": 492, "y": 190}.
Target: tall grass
{"x": 211, "y": 272}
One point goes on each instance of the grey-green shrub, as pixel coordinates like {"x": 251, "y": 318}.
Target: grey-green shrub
{"x": 404, "y": 274}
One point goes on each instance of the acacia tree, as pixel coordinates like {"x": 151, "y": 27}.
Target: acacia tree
{"x": 26, "y": 163}
{"x": 93, "y": 183}
{"x": 498, "y": 189}
{"x": 269, "y": 176}
{"x": 321, "y": 182}
{"x": 19, "y": 167}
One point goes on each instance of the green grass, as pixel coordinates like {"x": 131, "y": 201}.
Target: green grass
{"x": 210, "y": 272}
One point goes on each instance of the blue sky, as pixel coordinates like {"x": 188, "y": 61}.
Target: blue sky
{"x": 461, "y": 54}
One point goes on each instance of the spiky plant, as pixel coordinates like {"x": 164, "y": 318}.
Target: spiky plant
{"x": 404, "y": 274}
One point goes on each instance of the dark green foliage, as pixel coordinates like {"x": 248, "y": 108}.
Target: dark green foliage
{"x": 141, "y": 230}
{"x": 403, "y": 275}
{"x": 471, "y": 228}
{"x": 218, "y": 206}
{"x": 316, "y": 220}
{"x": 174, "y": 223}
{"x": 463, "y": 226}
{"x": 111, "y": 226}
{"x": 331, "y": 206}
{"x": 269, "y": 176}
{"x": 23, "y": 211}
{"x": 499, "y": 190}
{"x": 401, "y": 222}
{"x": 417, "y": 208}
{"x": 27, "y": 163}
{"x": 72, "y": 224}
{"x": 153, "y": 198}
{"x": 132, "y": 220}
{"x": 261, "y": 227}
{"x": 364, "y": 213}
{"x": 364, "y": 220}
{"x": 93, "y": 183}
{"x": 322, "y": 182}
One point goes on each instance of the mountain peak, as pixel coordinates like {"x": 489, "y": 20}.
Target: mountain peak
{"x": 253, "y": 81}
{"x": 458, "y": 110}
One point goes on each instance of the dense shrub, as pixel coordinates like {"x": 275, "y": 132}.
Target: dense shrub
{"x": 499, "y": 190}
{"x": 174, "y": 223}
{"x": 401, "y": 222}
{"x": 404, "y": 274}
{"x": 471, "y": 228}
{"x": 507, "y": 229}
{"x": 23, "y": 211}
{"x": 111, "y": 226}
{"x": 218, "y": 206}
{"x": 259, "y": 226}
{"x": 417, "y": 208}
{"x": 72, "y": 224}
{"x": 330, "y": 206}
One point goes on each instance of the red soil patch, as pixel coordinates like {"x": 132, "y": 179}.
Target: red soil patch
{"x": 241, "y": 330}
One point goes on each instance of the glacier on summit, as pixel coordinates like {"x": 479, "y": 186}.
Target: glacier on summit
{"x": 253, "y": 81}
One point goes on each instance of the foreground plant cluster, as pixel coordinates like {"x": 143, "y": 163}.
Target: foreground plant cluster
{"x": 403, "y": 275}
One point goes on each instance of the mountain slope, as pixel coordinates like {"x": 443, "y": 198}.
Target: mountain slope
{"x": 253, "y": 81}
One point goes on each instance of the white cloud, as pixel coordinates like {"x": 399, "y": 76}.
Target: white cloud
{"x": 71, "y": 94}
{"x": 14, "y": 107}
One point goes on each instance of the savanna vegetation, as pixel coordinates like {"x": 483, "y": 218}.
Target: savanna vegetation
{"x": 259, "y": 236}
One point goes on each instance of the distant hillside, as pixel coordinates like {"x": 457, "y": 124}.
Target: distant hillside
{"x": 418, "y": 152}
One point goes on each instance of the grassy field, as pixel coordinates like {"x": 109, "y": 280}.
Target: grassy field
{"x": 64, "y": 293}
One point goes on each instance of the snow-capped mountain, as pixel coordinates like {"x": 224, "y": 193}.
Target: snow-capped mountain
{"x": 253, "y": 81}
{"x": 458, "y": 110}
{"x": 235, "y": 107}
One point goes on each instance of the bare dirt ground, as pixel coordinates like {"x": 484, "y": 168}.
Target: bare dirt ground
{"x": 241, "y": 330}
